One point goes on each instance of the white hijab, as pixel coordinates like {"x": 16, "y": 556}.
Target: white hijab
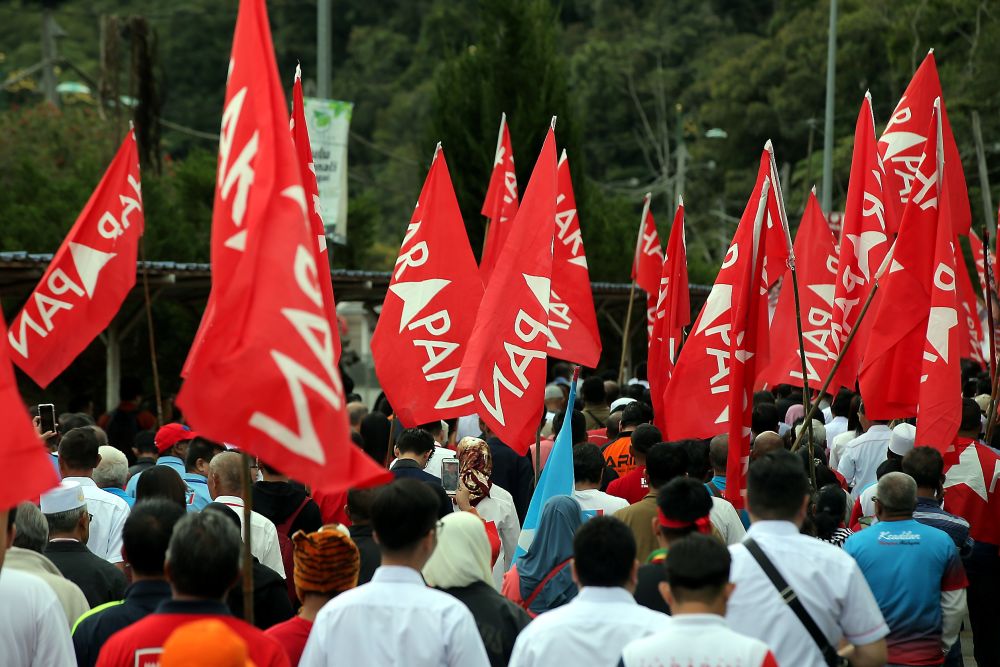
{"x": 462, "y": 556}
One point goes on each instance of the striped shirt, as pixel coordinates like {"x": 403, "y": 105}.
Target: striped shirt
{"x": 929, "y": 512}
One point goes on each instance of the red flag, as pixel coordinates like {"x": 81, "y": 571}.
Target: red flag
{"x": 911, "y": 358}
{"x": 647, "y": 261}
{"x": 747, "y": 339}
{"x": 777, "y": 244}
{"x": 976, "y": 244}
{"x": 673, "y": 313}
{"x": 22, "y": 453}
{"x": 265, "y": 375}
{"x": 501, "y": 203}
{"x": 868, "y": 217}
{"x": 972, "y": 491}
{"x": 87, "y": 279}
{"x": 696, "y": 401}
{"x": 423, "y": 329}
{"x": 504, "y": 364}
{"x": 303, "y": 151}
{"x": 816, "y": 264}
{"x": 902, "y": 142}
{"x": 572, "y": 320}
{"x": 971, "y": 336}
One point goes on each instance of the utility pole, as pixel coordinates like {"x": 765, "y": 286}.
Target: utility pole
{"x": 831, "y": 82}
{"x": 49, "y": 54}
{"x": 324, "y": 47}
{"x": 682, "y": 155}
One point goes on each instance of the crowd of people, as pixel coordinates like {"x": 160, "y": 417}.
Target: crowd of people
{"x": 845, "y": 553}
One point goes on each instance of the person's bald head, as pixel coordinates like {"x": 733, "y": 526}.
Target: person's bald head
{"x": 765, "y": 442}
{"x": 356, "y": 411}
{"x": 225, "y": 476}
{"x": 895, "y": 496}
{"x": 718, "y": 453}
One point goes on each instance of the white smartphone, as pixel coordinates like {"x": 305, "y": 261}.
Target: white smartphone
{"x": 449, "y": 475}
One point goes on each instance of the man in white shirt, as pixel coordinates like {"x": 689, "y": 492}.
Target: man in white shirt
{"x": 825, "y": 579}
{"x": 594, "y": 627}
{"x": 862, "y": 456}
{"x": 33, "y": 628}
{"x": 78, "y": 456}
{"x": 440, "y": 453}
{"x": 839, "y": 410}
{"x": 697, "y": 588}
{"x": 225, "y": 484}
{"x": 588, "y": 468}
{"x": 396, "y": 619}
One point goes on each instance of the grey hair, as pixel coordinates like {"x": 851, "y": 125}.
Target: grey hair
{"x": 65, "y": 522}
{"x": 113, "y": 468}
{"x": 897, "y": 492}
{"x": 32, "y": 529}
{"x": 204, "y": 554}
{"x": 228, "y": 466}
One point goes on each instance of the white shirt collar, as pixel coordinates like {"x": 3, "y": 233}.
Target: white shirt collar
{"x": 397, "y": 574}
{"x": 84, "y": 481}
{"x": 699, "y": 620}
{"x": 604, "y": 595}
{"x": 772, "y": 528}
{"x": 235, "y": 501}
{"x": 877, "y": 427}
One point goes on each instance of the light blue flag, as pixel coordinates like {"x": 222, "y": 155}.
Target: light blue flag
{"x": 556, "y": 479}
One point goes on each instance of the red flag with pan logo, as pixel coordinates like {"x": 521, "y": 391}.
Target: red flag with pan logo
{"x": 501, "y": 201}
{"x": 87, "y": 279}
{"x": 423, "y": 329}
{"x": 504, "y": 364}
{"x": 265, "y": 376}
{"x": 647, "y": 263}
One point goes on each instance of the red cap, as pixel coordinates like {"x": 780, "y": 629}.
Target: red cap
{"x": 170, "y": 434}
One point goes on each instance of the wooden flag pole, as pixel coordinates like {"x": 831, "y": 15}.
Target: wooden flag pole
{"x": 631, "y": 293}
{"x": 840, "y": 358}
{"x": 247, "y": 554}
{"x": 152, "y": 336}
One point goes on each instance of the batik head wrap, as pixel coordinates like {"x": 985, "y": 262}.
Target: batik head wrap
{"x": 475, "y": 468}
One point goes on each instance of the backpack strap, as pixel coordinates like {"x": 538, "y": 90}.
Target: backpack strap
{"x": 714, "y": 490}
{"x": 538, "y": 589}
{"x": 286, "y": 525}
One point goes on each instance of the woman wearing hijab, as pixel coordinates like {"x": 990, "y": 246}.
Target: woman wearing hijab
{"x": 460, "y": 566}
{"x": 542, "y": 579}
{"x": 492, "y": 503}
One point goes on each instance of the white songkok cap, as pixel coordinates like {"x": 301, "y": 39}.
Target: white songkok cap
{"x": 63, "y": 498}
{"x": 901, "y": 440}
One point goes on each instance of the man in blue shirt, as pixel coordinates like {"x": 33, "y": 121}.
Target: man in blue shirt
{"x": 172, "y": 443}
{"x": 915, "y": 574}
{"x": 200, "y": 453}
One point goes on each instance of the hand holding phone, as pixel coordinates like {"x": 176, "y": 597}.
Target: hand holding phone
{"x": 46, "y": 418}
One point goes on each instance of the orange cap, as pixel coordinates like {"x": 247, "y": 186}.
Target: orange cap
{"x": 205, "y": 642}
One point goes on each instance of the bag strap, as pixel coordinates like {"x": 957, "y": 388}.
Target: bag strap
{"x": 594, "y": 417}
{"x": 790, "y": 598}
{"x": 715, "y": 491}
{"x": 286, "y": 525}
{"x": 538, "y": 589}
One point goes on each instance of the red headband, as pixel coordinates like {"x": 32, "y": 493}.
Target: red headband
{"x": 702, "y": 524}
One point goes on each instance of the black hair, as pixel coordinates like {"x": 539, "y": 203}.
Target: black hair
{"x": 763, "y": 396}
{"x": 776, "y": 486}
{"x": 972, "y": 416}
{"x": 925, "y": 465}
{"x": 202, "y": 448}
{"x": 359, "y": 503}
{"x": 698, "y": 462}
{"x": 665, "y": 461}
{"x": 161, "y": 482}
{"x": 588, "y": 463}
{"x": 561, "y": 369}
{"x": 432, "y": 427}
{"x": 403, "y": 513}
{"x": 204, "y": 552}
{"x": 147, "y": 532}
{"x": 831, "y": 504}
{"x": 604, "y": 552}
{"x": 683, "y": 499}
{"x": 593, "y": 390}
{"x": 145, "y": 442}
{"x": 841, "y": 404}
{"x": 79, "y": 403}
{"x": 579, "y": 425}
{"x": 11, "y": 517}
{"x": 635, "y": 413}
{"x": 71, "y": 420}
{"x": 636, "y": 391}
{"x": 78, "y": 449}
{"x": 375, "y": 436}
{"x": 645, "y": 436}
{"x": 889, "y": 465}
{"x": 414, "y": 441}
{"x": 764, "y": 418}
{"x": 697, "y": 568}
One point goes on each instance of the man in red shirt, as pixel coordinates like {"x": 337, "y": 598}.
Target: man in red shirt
{"x": 202, "y": 564}
{"x": 633, "y": 487}
{"x": 326, "y": 564}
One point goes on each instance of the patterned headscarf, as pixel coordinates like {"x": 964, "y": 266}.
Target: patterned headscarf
{"x": 326, "y": 561}
{"x": 475, "y": 468}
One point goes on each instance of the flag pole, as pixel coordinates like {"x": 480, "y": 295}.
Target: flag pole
{"x": 247, "y": 554}
{"x": 840, "y": 355}
{"x": 152, "y": 336}
{"x": 631, "y": 293}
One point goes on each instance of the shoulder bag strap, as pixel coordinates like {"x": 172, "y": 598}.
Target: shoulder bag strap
{"x": 794, "y": 603}
{"x": 538, "y": 589}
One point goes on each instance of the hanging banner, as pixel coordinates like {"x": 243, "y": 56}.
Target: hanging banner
{"x": 329, "y": 122}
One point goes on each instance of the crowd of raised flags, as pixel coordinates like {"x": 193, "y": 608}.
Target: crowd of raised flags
{"x": 889, "y": 307}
